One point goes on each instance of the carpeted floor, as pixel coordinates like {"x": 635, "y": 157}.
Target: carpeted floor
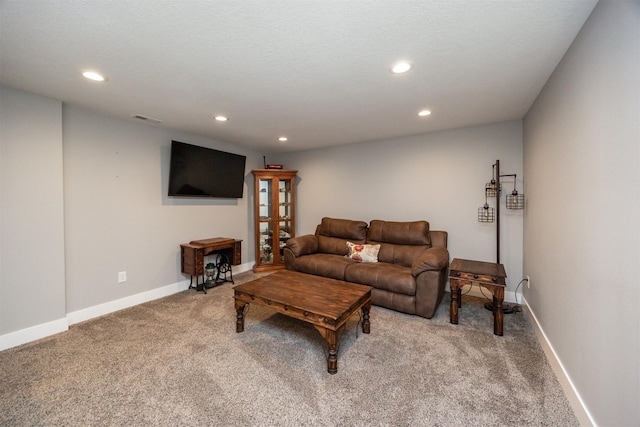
{"x": 178, "y": 361}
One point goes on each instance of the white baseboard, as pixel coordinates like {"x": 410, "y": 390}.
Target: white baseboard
{"x": 126, "y": 302}
{"x": 576, "y": 402}
{"x": 130, "y": 301}
{"x": 33, "y": 333}
{"x": 44, "y": 330}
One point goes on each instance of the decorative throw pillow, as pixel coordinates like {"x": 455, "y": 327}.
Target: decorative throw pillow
{"x": 363, "y": 253}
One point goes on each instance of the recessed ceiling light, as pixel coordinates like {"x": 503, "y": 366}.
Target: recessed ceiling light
{"x": 401, "y": 67}
{"x": 221, "y": 118}
{"x": 283, "y": 139}
{"x": 424, "y": 113}
{"x": 91, "y": 75}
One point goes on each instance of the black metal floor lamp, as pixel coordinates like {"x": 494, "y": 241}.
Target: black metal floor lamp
{"x": 488, "y": 214}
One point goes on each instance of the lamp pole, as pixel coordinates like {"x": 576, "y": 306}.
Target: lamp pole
{"x": 498, "y": 211}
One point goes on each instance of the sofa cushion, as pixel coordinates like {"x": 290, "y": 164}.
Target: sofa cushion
{"x": 401, "y": 242}
{"x": 403, "y": 255}
{"x": 319, "y": 264}
{"x": 332, "y": 245}
{"x": 333, "y": 234}
{"x": 390, "y": 277}
{"x": 362, "y": 253}
{"x": 343, "y": 228}
{"x": 400, "y": 233}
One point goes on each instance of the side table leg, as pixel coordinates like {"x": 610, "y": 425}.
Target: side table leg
{"x": 498, "y": 315}
{"x": 240, "y": 315}
{"x": 366, "y": 325}
{"x": 455, "y": 302}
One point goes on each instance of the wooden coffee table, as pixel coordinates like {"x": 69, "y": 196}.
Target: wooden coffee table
{"x": 325, "y": 303}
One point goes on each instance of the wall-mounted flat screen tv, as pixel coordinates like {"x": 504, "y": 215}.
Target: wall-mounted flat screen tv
{"x": 204, "y": 172}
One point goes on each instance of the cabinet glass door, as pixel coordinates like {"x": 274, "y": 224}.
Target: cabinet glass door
{"x": 284, "y": 234}
{"x": 266, "y": 243}
{"x": 265, "y": 201}
{"x": 265, "y": 209}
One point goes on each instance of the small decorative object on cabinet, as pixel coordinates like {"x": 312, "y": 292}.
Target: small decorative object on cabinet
{"x": 274, "y": 216}
{"x": 209, "y": 271}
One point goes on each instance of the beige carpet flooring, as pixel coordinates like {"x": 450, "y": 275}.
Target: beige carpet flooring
{"x": 178, "y": 361}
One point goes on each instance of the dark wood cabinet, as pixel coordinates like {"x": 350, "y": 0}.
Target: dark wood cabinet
{"x": 274, "y": 216}
{"x": 193, "y": 253}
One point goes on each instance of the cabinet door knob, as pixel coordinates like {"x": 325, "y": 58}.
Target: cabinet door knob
{"x": 475, "y": 276}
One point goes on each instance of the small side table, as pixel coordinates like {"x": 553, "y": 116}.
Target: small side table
{"x": 488, "y": 275}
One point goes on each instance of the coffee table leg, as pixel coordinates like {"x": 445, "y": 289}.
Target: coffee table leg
{"x": 366, "y": 325}
{"x": 331, "y": 337}
{"x": 332, "y": 359}
{"x": 240, "y": 315}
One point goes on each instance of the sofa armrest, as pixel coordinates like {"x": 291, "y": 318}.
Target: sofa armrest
{"x": 303, "y": 245}
{"x": 433, "y": 259}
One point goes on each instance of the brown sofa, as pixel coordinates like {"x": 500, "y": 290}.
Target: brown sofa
{"x": 411, "y": 271}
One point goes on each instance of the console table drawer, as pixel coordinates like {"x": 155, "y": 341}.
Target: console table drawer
{"x": 475, "y": 277}
{"x": 192, "y": 261}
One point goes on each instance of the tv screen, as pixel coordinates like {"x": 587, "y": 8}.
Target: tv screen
{"x": 204, "y": 172}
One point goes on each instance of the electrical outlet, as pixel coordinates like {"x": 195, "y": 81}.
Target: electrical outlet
{"x": 528, "y": 282}
{"x": 122, "y": 277}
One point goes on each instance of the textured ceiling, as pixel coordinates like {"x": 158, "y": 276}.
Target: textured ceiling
{"x": 315, "y": 71}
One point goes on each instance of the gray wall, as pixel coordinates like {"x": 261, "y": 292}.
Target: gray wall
{"x": 32, "y": 275}
{"x": 438, "y": 177}
{"x": 83, "y": 198}
{"x": 118, "y": 216}
{"x": 582, "y": 239}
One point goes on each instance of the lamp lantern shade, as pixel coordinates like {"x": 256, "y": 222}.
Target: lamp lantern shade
{"x": 490, "y": 188}
{"x": 515, "y": 200}
{"x": 486, "y": 213}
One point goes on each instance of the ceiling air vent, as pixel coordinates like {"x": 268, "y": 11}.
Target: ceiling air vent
{"x": 147, "y": 119}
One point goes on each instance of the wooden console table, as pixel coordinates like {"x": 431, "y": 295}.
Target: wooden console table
{"x": 488, "y": 275}
{"x": 192, "y": 254}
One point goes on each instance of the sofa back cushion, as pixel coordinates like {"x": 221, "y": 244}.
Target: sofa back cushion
{"x": 334, "y": 233}
{"x": 400, "y": 242}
